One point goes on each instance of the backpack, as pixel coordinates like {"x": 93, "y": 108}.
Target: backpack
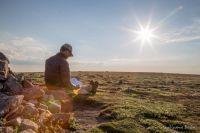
{"x": 4, "y": 69}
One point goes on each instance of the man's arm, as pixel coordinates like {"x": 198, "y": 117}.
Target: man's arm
{"x": 65, "y": 75}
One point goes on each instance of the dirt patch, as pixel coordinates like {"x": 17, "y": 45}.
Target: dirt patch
{"x": 86, "y": 113}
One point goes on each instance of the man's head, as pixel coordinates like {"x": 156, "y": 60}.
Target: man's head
{"x": 66, "y": 50}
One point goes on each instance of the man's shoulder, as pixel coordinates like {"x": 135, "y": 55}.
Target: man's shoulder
{"x": 54, "y": 57}
{"x": 58, "y": 59}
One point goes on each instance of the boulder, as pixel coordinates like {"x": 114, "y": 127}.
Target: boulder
{"x": 14, "y": 122}
{"x": 27, "y": 84}
{"x": 28, "y": 131}
{"x": 30, "y": 111}
{"x": 14, "y": 113}
{"x": 9, "y": 103}
{"x": 1, "y": 86}
{"x": 33, "y": 93}
{"x": 54, "y": 107}
{"x": 12, "y": 86}
{"x": 28, "y": 124}
{"x": 2, "y": 95}
{"x": 43, "y": 106}
{"x": 47, "y": 98}
{"x": 62, "y": 119}
{"x": 34, "y": 101}
{"x": 28, "y": 103}
{"x": 4, "y": 69}
{"x": 41, "y": 110}
{"x": 45, "y": 117}
{"x": 6, "y": 129}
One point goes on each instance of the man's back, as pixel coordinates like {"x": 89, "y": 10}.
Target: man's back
{"x": 57, "y": 71}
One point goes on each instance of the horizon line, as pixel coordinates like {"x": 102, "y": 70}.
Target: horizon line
{"x": 119, "y": 72}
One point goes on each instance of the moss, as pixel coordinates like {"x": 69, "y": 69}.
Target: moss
{"x": 142, "y": 108}
{"x": 73, "y": 125}
{"x": 179, "y": 126}
{"x": 155, "y": 126}
{"x": 95, "y": 130}
{"x": 127, "y": 126}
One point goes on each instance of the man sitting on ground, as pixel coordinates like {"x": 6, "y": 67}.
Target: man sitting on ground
{"x": 57, "y": 72}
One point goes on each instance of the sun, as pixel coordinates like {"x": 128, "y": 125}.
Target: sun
{"x": 145, "y": 34}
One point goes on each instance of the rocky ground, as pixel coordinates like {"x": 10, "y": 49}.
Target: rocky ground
{"x": 125, "y": 102}
{"x": 29, "y": 108}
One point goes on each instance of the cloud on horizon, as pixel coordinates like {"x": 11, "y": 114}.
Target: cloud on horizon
{"x": 24, "y": 51}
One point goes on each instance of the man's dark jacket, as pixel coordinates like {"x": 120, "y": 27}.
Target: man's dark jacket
{"x": 57, "y": 72}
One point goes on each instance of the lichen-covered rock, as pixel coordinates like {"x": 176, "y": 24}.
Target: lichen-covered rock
{"x": 28, "y": 124}
{"x": 45, "y": 117}
{"x": 12, "y": 86}
{"x": 62, "y": 119}
{"x": 14, "y": 122}
{"x": 33, "y": 101}
{"x": 46, "y": 98}
{"x": 1, "y": 86}
{"x": 43, "y": 106}
{"x": 41, "y": 110}
{"x": 14, "y": 113}
{"x": 6, "y": 129}
{"x": 28, "y": 131}
{"x": 27, "y": 84}
{"x": 30, "y": 111}
{"x": 2, "y": 95}
{"x": 4, "y": 69}
{"x": 54, "y": 107}
{"x": 10, "y": 103}
{"x": 33, "y": 93}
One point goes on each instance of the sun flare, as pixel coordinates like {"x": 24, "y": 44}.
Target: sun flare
{"x": 145, "y": 34}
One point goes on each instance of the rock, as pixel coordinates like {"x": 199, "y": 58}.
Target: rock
{"x": 1, "y": 86}
{"x": 28, "y": 103}
{"x": 66, "y": 106}
{"x": 6, "y": 129}
{"x": 41, "y": 110}
{"x": 2, "y": 95}
{"x": 28, "y": 124}
{"x": 28, "y": 131}
{"x": 14, "y": 113}
{"x": 12, "y": 86}
{"x": 33, "y": 101}
{"x": 33, "y": 93}
{"x": 30, "y": 111}
{"x": 4, "y": 69}
{"x": 27, "y": 84}
{"x": 9, "y": 103}
{"x": 62, "y": 119}
{"x": 43, "y": 106}
{"x": 54, "y": 107}
{"x": 45, "y": 117}
{"x": 14, "y": 122}
{"x": 46, "y": 99}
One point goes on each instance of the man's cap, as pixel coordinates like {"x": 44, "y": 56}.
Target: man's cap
{"x": 67, "y": 46}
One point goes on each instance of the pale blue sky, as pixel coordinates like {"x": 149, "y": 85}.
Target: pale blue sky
{"x": 31, "y": 31}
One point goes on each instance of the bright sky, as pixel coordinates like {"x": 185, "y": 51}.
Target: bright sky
{"x": 106, "y": 35}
